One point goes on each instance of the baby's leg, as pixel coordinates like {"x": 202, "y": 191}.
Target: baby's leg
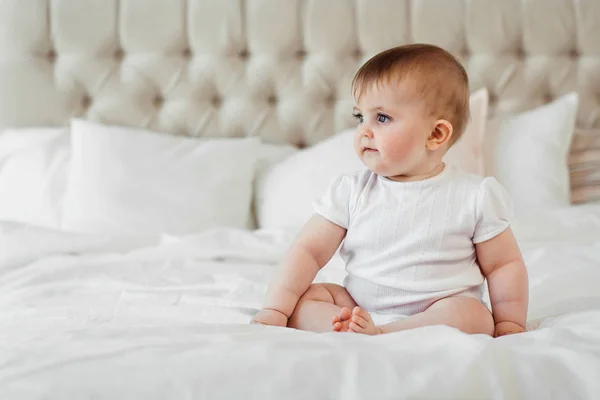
{"x": 464, "y": 313}
{"x": 318, "y": 307}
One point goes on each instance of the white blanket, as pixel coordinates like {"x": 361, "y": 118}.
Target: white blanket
{"x": 167, "y": 318}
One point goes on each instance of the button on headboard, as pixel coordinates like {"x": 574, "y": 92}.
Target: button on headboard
{"x": 279, "y": 69}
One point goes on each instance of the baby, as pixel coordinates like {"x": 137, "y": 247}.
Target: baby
{"x": 418, "y": 237}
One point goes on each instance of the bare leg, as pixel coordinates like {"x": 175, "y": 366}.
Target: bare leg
{"x": 321, "y": 307}
{"x": 464, "y": 313}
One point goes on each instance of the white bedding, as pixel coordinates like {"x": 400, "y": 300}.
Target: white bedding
{"x": 166, "y": 318}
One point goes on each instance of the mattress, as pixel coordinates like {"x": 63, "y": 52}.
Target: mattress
{"x": 85, "y": 316}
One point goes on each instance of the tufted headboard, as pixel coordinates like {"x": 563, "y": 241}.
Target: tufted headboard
{"x": 278, "y": 69}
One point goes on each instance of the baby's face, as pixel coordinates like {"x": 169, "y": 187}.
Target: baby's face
{"x": 392, "y": 132}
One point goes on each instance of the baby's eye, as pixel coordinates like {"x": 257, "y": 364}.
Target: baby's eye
{"x": 382, "y": 118}
{"x": 359, "y": 117}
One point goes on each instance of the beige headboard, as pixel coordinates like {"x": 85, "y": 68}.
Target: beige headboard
{"x": 279, "y": 69}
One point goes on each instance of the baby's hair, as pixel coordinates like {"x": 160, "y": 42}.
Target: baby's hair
{"x": 441, "y": 80}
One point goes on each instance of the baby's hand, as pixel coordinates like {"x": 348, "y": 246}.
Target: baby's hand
{"x": 507, "y": 328}
{"x": 270, "y": 317}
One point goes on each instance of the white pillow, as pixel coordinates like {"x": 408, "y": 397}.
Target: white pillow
{"x": 127, "y": 181}
{"x": 273, "y": 154}
{"x": 269, "y": 155}
{"x": 285, "y": 191}
{"x": 528, "y": 154}
{"x": 33, "y": 169}
{"x": 467, "y": 153}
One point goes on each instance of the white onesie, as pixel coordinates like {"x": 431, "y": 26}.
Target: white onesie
{"x": 409, "y": 244}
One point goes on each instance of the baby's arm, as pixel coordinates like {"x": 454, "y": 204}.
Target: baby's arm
{"x": 502, "y": 264}
{"x": 313, "y": 248}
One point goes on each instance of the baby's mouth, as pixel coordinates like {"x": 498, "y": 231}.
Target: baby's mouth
{"x": 369, "y": 150}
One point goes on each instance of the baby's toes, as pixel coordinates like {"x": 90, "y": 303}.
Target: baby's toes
{"x": 360, "y": 321}
{"x": 361, "y": 312}
{"x": 345, "y": 314}
{"x": 337, "y": 326}
{"x": 354, "y": 327}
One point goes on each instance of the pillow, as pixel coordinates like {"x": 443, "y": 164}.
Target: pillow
{"x": 268, "y": 155}
{"x": 467, "y": 152}
{"x": 285, "y": 191}
{"x": 528, "y": 152}
{"x": 33, "y": 170}
{"x": 126, "y": 181}
{"x": 584, "y": 166}
{"x": 272, "y": 154}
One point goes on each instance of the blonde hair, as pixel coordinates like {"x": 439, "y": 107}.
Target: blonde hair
{"x": 441, "y": 81}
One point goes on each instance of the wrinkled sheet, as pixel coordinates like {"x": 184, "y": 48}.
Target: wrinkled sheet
{"x": 84, "y": 316}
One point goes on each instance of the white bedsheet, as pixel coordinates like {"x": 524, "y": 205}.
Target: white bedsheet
{"x": 167, "y": 318}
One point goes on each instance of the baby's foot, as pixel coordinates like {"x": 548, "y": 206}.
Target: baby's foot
{"x": 340, "y": 322}
{"x": 361, "y": 322}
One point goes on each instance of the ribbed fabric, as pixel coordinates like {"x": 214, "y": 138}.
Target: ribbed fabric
{"x": 584, "y": 166}
{"x": 409, "y": 244}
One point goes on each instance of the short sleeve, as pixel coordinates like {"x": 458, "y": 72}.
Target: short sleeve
{"x": 335, "y": 203}
{"x": 494, "y": 210}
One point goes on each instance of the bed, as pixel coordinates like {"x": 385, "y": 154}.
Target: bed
{"x": 158, "y": 157}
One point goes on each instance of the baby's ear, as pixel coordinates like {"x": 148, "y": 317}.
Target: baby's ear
{"x": 441, "y": 134}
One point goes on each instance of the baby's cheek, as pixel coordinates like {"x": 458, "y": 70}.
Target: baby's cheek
{"x": 401, "y": 149}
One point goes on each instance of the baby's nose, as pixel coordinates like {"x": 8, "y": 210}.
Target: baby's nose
{"x": 368, "y": 133}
